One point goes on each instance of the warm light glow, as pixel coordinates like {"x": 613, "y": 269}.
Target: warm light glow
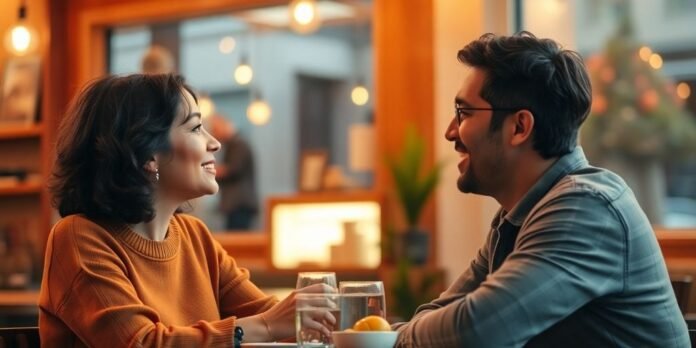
{"x": 206, "y": 106}
{"x": 644, "y": 53}
{"x": 227, "y": 45}
{"x": 359, "y": 95}
{"x": 309, "y": 233}
{"x": 258, "y": 112}
{"x": 303, "y": 13}
{"x": 304, "y": 17}
{"x": 21, "y": 40}
{"x": 243, "y": 74}
{"x": 683, "y": 90}
{"x": 655, "y": 61}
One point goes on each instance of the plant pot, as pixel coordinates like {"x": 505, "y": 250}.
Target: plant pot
{"x": 415, "y": 246}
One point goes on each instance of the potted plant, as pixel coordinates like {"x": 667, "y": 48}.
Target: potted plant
{"x": 414, "y": 186}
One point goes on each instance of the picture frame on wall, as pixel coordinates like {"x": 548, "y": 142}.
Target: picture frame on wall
{"x": 312, "y": 167}
{"x": 20, "y": 91}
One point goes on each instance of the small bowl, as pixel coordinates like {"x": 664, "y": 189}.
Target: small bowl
{"x": 364, "y": 339}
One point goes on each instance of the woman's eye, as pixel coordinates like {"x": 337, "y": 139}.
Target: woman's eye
{"x": 198, "y": 128}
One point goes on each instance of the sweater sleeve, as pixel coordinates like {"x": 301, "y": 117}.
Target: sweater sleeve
{"x": 238, "y": 295}
{"x": 87, "y": 287}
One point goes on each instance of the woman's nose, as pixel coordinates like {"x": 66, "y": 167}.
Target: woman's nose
{"x": 213, "y": 144}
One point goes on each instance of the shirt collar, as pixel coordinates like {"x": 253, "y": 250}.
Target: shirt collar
{"x": 564, "y": 165}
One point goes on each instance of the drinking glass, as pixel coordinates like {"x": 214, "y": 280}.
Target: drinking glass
{"x": 360, "y": 299}
{"x": 309, "y": 278}
{"x": 311, "y": 311}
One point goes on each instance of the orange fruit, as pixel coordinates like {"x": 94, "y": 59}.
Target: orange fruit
{"x": 372, "y": 323}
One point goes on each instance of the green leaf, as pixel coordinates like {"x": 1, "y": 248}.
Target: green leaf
{"x": 413, "y": 187}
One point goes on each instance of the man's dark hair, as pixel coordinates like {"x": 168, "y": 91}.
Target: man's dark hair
{"x": 113, "y": 128}
{"x": 525, "y": 72}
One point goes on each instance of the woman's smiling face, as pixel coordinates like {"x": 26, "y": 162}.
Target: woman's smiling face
{"x": 188, "y": 170}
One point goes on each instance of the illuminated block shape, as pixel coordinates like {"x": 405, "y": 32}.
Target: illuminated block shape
{"x": 325, "y": 234}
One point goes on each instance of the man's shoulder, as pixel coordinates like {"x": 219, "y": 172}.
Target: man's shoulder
{"x": 591, "y": 182}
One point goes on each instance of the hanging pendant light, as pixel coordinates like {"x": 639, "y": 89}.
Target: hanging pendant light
{"x": 206, "y": 106}
{"x": 243, "y": 73}
{"x": 21, "y": 39}
{"x": 304, "y": 16}
{"x": 359, "y": 94}
{"x": 258, "y": 111}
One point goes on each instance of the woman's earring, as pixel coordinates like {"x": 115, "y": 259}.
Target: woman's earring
{"x": 157, "y": 174}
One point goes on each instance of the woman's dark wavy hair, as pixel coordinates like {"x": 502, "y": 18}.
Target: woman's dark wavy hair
{"x": 112, "y": 129}
{"x": 524, "y": 72}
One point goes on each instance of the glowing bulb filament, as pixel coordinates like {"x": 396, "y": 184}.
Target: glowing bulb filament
{"x": 243, "y": 74}
{"x": 304, "y": 13}
{"x": 21, "y": 38}
{"x": 359, "y": 95}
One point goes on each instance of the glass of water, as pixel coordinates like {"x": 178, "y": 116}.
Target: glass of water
{"x": 360, "y": 299}
{"x": 313, "y": 316}
{"x": 305, "y": 279}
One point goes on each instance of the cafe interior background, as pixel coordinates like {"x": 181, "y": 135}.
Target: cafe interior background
{"x": 333, "y": 108}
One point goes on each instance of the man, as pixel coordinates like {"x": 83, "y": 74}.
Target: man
{"x": 236, "y": 176}
{"x": 571, "y": 260}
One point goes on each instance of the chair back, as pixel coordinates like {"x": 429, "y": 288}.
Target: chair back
{"x": 682, "y": 289}
{"x": 19, "y": 337}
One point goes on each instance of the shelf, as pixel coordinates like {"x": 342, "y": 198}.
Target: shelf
{"x": 19, "y": 302}
{"x": 21, "y": 189}
{"x": 19, "y": 132}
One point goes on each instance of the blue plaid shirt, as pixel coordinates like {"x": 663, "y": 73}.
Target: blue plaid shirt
{"x": 574, "y": 263}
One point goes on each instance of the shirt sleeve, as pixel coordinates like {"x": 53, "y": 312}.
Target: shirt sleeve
{"x": 465, "y": 283}
{"x": 567, "y": 254}
{"x": 95, "y": 299}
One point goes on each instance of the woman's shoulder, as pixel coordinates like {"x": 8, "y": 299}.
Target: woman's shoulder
{"x": 191, "y": 227}
{"x": 81, "y": 232}
{"x": 76, "y": 224}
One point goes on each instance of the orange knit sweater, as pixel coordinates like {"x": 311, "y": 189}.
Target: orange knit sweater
{"x": 106, "y": 286}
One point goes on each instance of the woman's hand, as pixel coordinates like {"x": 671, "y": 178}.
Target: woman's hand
{"x": 280, "y": 319}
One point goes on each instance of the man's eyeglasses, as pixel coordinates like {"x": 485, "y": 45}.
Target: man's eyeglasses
{"x": 459, "y": 111}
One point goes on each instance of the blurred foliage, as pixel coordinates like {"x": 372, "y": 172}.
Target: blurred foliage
{"x": 413, "y": 184}
{"x": 408, "y": 292}
{"x": 636, "y": 112}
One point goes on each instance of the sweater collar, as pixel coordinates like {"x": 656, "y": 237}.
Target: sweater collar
{"x": 155, "y": 250}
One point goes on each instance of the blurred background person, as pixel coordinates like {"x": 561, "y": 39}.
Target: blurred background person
{"x": 236, "y": 175}
{"x": 158, "y": 60}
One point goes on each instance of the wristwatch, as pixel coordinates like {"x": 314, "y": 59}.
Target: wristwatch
{"x": 238, "y": 336}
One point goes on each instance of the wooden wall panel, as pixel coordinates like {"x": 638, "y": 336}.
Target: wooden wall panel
{"x": 403, "y": 39}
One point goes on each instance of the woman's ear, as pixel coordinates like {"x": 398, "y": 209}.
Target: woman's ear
{"x": 523, "y": 123}
{"x": 151, "y": 165}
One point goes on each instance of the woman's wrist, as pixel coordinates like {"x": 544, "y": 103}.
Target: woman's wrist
{"x": 268, "y": 327}
{"x": 255, "y": 329}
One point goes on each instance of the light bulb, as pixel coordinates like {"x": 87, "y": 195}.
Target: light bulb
{"x": 304, "y": 16}
{"x": 655, "y": 61}
{"x": 227, "y": 45}
{"x": 259, "y": 112}
{"x": 243, "y": 74}
{"x": 359, "y": 95}
{"x": 21, "y": 39}
{"x": 644, "y": 53}
{"x": 206, "y": 106}
{"x": 683, "y": 90}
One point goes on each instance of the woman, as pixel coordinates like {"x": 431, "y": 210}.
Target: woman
{"x": 124, "y": 267}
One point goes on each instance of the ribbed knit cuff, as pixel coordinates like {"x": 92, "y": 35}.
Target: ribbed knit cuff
{"x": 226, "y": 327}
